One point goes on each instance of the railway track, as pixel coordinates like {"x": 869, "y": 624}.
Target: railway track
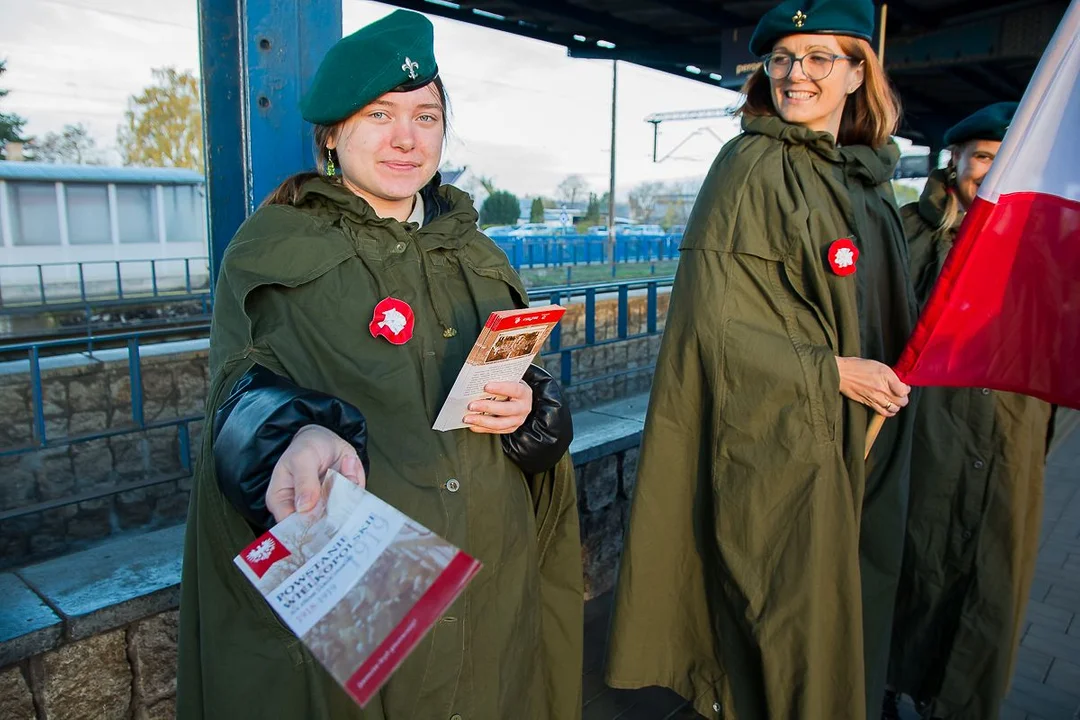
{"x": 105, "y": 336}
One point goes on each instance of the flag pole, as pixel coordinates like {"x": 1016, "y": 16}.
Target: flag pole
{"x": 872, "y": 432}
{"x": 879, "y": 420}
{"x": 882, "y": 16}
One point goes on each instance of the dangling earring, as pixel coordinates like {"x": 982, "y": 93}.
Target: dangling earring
{"x": 330, "y": 169}
{"x": 950, "y": 179}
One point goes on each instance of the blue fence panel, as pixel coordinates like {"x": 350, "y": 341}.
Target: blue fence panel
{"x": 52, "y": 284}
{"x": 557, "y": 250}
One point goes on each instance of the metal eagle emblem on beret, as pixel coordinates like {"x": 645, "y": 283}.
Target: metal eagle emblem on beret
{"x": 799, "y": 18}
{"x": 410, "y": 66}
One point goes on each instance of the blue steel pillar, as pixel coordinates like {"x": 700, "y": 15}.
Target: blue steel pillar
{"x": 257, "y": 58}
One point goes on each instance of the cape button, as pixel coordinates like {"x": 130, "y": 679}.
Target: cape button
{"x": 453, "y": 485}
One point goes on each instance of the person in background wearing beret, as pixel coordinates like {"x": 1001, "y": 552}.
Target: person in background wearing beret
{"x": 763, "y": 552}
{"x": 344, "y": 310}
{"x": 976, "y": 487}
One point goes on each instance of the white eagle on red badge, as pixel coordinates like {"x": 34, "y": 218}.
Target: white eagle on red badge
{"x": 393, "y": 319}
{"x": 842, "y": 256}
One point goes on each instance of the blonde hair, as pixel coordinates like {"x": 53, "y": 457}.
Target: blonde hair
{"x": 871, "y": 114}
{"x": 952, "y": 209}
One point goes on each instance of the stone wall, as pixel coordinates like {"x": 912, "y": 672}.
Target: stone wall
{"x": 605, "y": 487}
{"x": 94, "y": 395}
{"x": 129, "y": 672}
{"x": 591, "y": 364}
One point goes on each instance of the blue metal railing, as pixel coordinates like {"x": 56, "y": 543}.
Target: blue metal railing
{"x": 55, "y": 285}
{"x": 587, "y": 295}
{"x": 563, "y": 250}
{"x": 133, "y": 343}
{"x": 67, "y": 286}
{"x": 41, "y": 439}
{"x": 558, "y": 345}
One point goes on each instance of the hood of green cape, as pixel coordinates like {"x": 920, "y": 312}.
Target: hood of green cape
{"x": 871, "y": 166}
{"x": 455, "y": 211}
{"x": 934, "y": 198}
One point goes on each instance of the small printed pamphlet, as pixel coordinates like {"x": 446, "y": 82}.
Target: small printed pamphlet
{"x": 506, "y": 346}
{"x": 359, "y": 582}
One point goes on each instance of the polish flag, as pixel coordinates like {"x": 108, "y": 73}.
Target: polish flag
{"x": 1005, "y": 312}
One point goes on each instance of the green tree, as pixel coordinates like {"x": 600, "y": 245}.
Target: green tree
{"x": 163, "y": 124}
{"x": 500, "y": 208}
{"x": 11, "y": 125}
{"x": 592, "y": 213}
{"x": 536, "y": 214}
{"x": 73, "y": 145}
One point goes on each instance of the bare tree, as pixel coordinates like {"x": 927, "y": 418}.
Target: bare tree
{"x": 73, "y": 145}
{"x": 644, "y": 199}
{"x": 572, "y": 188}
{"x": 676, "y": 201}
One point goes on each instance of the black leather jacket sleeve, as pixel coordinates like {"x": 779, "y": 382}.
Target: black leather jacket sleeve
{"x": 539, "y": 444}
{"x": 255, "y": 425}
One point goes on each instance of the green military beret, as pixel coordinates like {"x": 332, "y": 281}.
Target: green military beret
{"x": 393, "y": 53}
{"x": 814, "y": 17}
{"x": 990, "y": 123}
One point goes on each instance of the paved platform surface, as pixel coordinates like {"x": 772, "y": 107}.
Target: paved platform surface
{"x": 1046, "y": 684}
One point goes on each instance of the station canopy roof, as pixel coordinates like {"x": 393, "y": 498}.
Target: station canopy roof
{"x": 947, "y": 58}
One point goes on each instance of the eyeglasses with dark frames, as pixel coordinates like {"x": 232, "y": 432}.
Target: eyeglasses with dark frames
{"x": 816, "y": 65}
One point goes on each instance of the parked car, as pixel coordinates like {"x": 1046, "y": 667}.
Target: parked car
{"x": 498, "y": 231}
{"x": 641, "y": 230}
{"x": 534, "y": 229}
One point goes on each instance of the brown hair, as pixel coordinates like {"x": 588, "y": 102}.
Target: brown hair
{"x": 288, "y": 191}
{"x": 871, "y": 113}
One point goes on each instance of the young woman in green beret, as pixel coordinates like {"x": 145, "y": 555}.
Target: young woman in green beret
{"x": 763, "y": 551}
{"x": 976, "y": 487}
{"x": 344, "y": 309}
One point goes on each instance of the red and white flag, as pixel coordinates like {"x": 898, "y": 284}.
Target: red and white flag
{"x": 1005, "y": 312}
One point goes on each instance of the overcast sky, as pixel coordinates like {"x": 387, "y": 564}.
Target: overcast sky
{"x": 523, "y": 112}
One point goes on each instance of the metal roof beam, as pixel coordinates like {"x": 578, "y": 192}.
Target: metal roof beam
{"x": 674, "y": 56}
{"x": 715, "y": 14}
{"x": 993, "y": 86}
{"x": 589, "y": 22}
{"x": 464, "y": 13}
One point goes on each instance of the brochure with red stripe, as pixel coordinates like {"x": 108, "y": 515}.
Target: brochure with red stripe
{"x": 507, "y": 345}
{"x": 358, "y": 582}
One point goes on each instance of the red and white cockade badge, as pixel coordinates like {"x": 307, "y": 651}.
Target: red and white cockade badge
{"x": 842, "y": 256}
{"x": 394, "y": 320}
{"x": 263, "y": 553}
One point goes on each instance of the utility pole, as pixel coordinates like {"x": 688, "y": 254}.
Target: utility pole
{"x": 611, "y": 179}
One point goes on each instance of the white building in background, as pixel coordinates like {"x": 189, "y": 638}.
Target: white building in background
{"x": 97, "y": 215}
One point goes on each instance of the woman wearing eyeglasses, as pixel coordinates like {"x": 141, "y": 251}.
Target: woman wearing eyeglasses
{"x": 763, "y": 552}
